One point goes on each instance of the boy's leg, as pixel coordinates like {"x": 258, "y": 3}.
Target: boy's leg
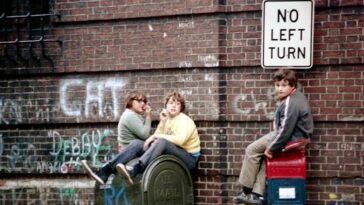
{"x": 259, "y": 185}
{"x": 156, "y": 149}
{"x": 132, "y": 151}
{"x": 180, "y": 153}
{"x": 252, "y": 175}
{"x": 253, "y": 160}
{"x": 159, "y": 147}
{"x": 163, "y": 146}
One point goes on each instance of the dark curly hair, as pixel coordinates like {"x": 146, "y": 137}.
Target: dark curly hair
{"x": 288, "y": 75}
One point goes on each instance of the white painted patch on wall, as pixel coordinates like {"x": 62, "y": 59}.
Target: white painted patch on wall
{"x": 352, "y": 118}
{"x": 209, "y": 60}
{"x": 150, "y": 27}
{"x": 164, "y": 34}
{"x": 209, "y": 77}
{"x": 185, "y": 78}
{"x": 185, "y": 92}
{"x": 190, "y": 24}
{"x": 185, "y": 64}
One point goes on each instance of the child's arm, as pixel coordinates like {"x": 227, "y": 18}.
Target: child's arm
{"x": 291, "y": 114}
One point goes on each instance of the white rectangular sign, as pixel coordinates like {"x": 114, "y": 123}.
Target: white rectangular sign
{"x": 287, "y": 193}
{"x": 287, "y": 36}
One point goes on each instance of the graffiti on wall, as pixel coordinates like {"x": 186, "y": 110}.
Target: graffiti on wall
{"x": 58, "y": 154}
{"x": 43, "y": 192}
{"x": 113, "y": 195}
{"x": 78, "y": 98}
{"x": 95, "y": 103}
{"x": 67, "y": 153}
{"x": 257, "y": 104}
{"x": 63, "y": 191}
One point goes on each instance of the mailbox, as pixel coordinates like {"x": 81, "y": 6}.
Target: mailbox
{"x": 286, "y": 178}
{"x": 165, "y": 181}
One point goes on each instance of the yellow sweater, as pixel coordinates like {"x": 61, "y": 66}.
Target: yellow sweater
{"x": 181, "y": 130}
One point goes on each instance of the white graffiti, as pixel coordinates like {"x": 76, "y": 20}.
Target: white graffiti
{"x": 94, "y": 101}
{"x": 10, "y": 111}
{"x": 209, "y": 77}
{"x": 68, "y": 153}
{"x": 63, "y": 153}
{"x": 209, "y": 60}
{"x": 257, "y": 104}
{"x": 43, "y": 191}
{"x": 72, "y": 110}
{"x": 186, "y": 25}
{"x": 150, "y": 27}
{"x": 78, "y": 98}
{"x": 185, "y": 64}
{"x": 26, "y": 156}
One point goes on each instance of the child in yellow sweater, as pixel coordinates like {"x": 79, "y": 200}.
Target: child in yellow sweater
{"x": 176, "y": 134}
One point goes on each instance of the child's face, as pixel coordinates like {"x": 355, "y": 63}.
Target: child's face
{"x": 282, "y": 88}
{"x": 139, "y": 105}
{"x": 173, "y": 107}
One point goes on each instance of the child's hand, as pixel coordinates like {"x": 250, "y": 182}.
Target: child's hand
{"x": 268, "y": 153}
{"x": 163, "y": 115}
{"x": 148, "y": 109}
{"x": 121, "y": 147}
{"x": 148, "y": 142}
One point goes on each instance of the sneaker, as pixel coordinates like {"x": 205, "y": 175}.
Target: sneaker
{"x": 98, "y": 174}
{"x": 125, "y": 173}
{"x": 248, "y": 199}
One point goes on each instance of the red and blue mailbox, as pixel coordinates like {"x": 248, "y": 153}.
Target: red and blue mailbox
{"x": 286, "y": 176}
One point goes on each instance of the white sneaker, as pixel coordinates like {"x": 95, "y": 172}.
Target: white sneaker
{"x": 91, "y": 173}
{"x": 121, "y": 169}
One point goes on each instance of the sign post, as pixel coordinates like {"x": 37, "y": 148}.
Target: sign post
{"x": 287, "y": 36}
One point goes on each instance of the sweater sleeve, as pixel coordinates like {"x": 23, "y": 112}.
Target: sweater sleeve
{"x": 138, "y": 126}
{"x": 289, "y": 121}
{"x": 119, "y": 132}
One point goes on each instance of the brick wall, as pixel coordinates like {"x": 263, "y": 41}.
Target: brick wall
{"x": 53, "y": 117}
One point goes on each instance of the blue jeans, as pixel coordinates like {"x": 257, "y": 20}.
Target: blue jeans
{"x": 132, "y": 151}
{"x": 157, "y": 148}
{"x": 163, "y": 146}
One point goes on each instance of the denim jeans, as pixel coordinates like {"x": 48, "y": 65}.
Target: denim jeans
{"x": 132, "y": 151}
{"x": 157, "y": 148}
{"x": 163, "y": 146}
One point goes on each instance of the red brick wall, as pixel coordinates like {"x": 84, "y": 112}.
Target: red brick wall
{"x": 209, "y": 50}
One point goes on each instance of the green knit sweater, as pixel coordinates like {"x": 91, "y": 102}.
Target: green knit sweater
{"x": 132, "y": 126}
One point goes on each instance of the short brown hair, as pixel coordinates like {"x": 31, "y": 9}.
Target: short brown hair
{"x": 288, "y": 75}
{"x": 134, "y": 96}
{"x": 178, "y": 97}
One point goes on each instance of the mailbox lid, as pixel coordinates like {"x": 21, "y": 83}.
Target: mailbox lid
{"x": 291, "y": 165}
{"x": 167, "y": 182}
